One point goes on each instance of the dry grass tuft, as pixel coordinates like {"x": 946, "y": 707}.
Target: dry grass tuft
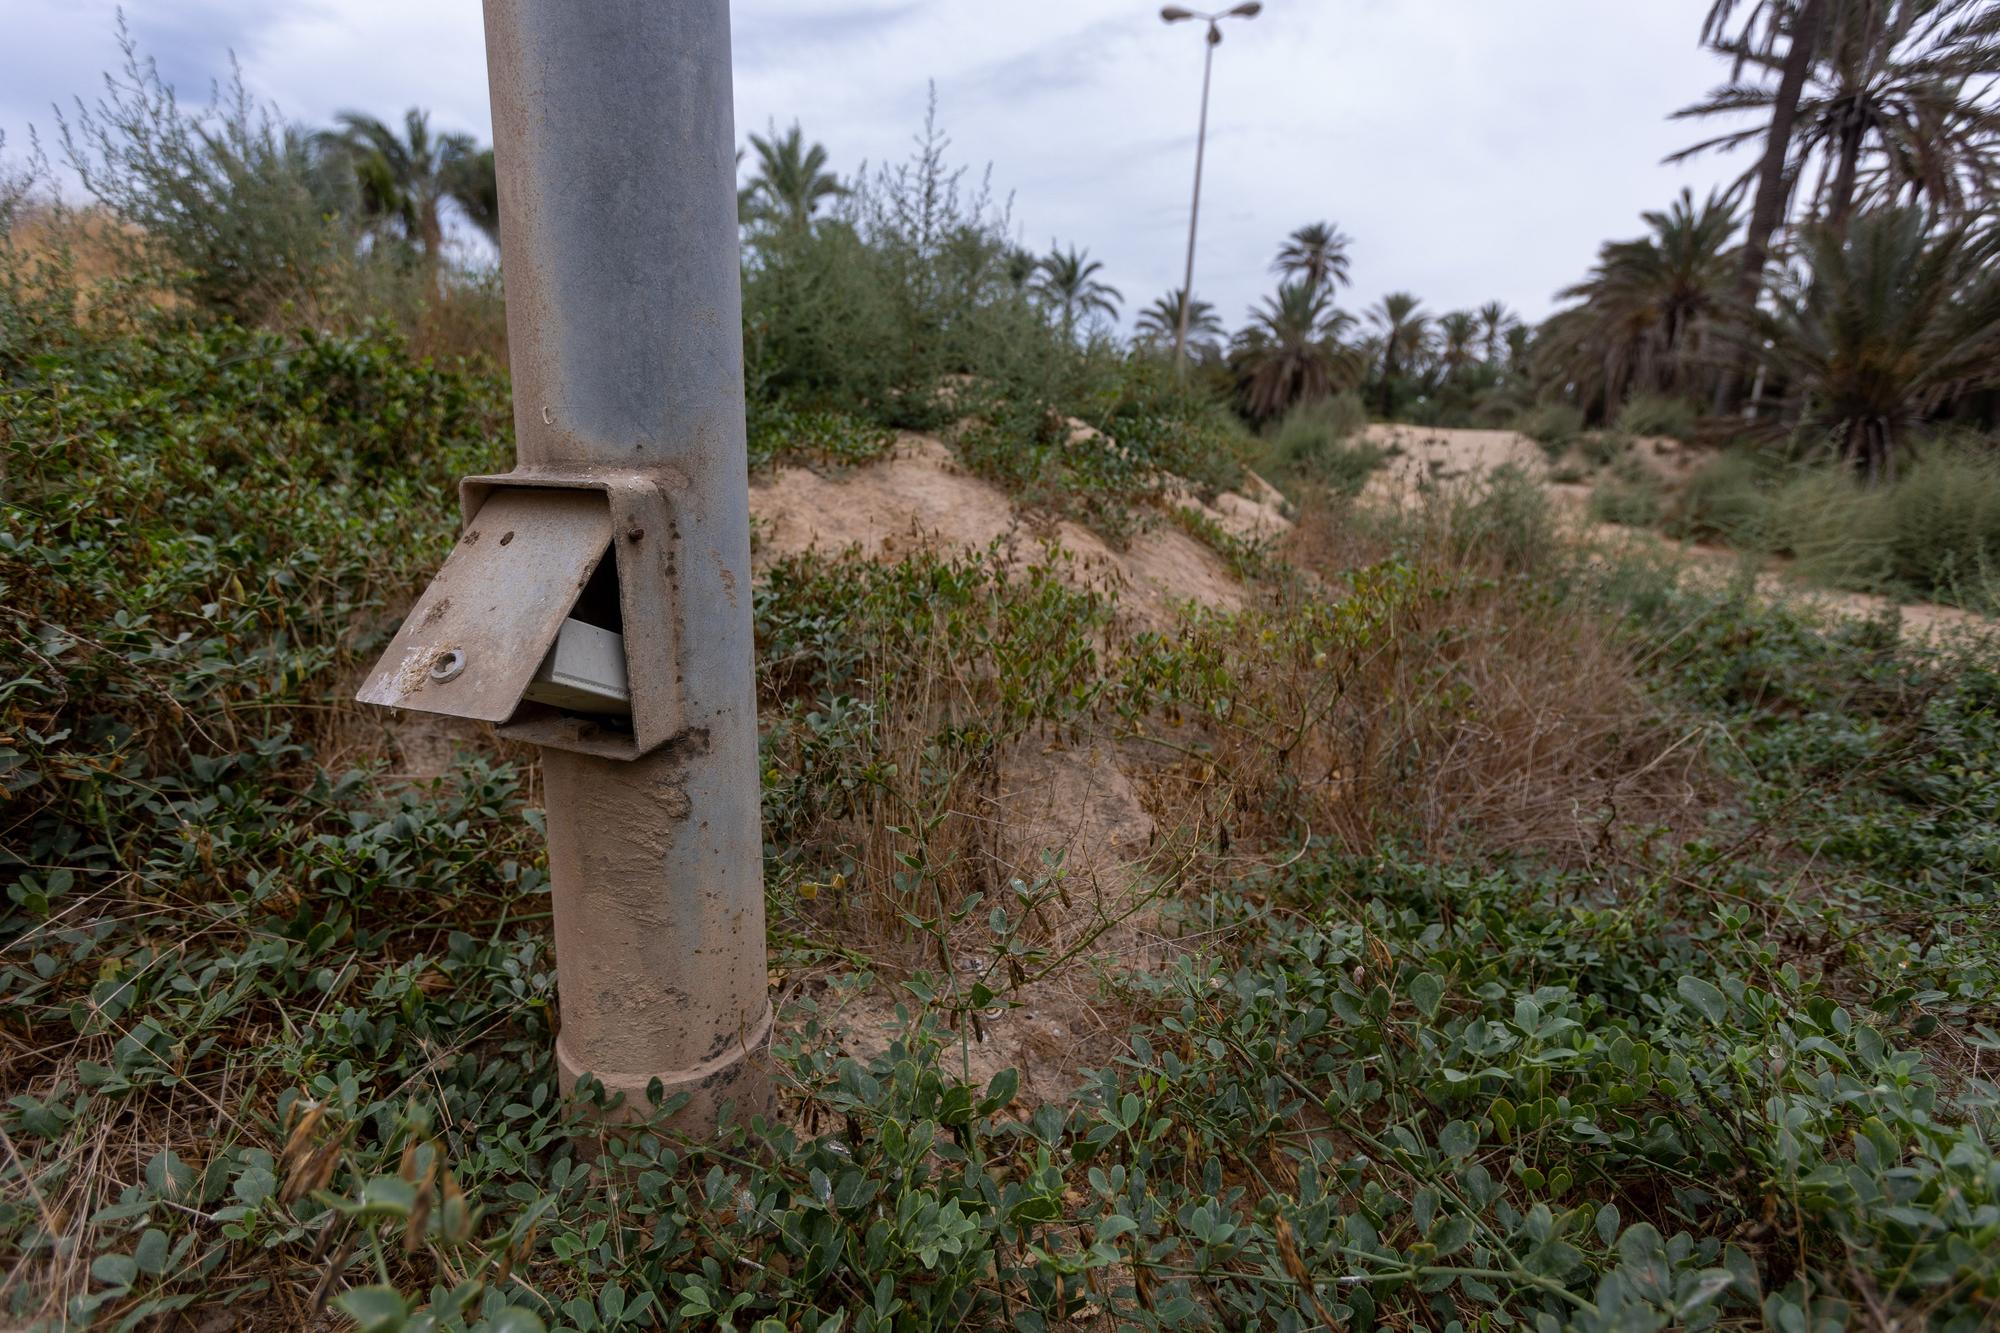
{"x": 1472, "y": 706}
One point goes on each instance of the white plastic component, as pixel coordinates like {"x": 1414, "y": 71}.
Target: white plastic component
{"x": 584, "y": 672}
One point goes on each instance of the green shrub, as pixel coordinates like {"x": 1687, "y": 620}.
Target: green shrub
{"x": 882, "y": 309}
{"x": 225, "y": 204}
{"x": 1943, "y": 519}
{"x": 1630, "y": 496}
{"x": 1658, "y": 414}
{"x": 1552, "y": 425}
{"x": 1834, "y": 529}
{"x": 1101, "y": 454}
{"x": 1728, "y": 499}
{"x": 1932, "y": 533}
{"x": 1603, "y": 448}
{"x": 1314, "y": 444}
{"x": 778, "y": 433}
{"x": 1501, "y": 521}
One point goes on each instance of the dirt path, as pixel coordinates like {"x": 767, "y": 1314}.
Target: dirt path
{"x": 1422, "y": 455}
{"x": 1925, "y": 622}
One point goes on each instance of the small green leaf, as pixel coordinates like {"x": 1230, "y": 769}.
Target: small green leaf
{"x": 515, "y": 1319}
{"x": 1453, "y": 1234}
{"x": 117, "y": 1269}
{"x": 254, "y": 1186}
{"x": 1000, "y": 1092}
{"x": 151, "y": 1252}
{"x": 374, "y": 1309}
{"x": 1427, "y": 992}
{"x": 1457, "y": 1139}
{"x": 1704, "y": 996}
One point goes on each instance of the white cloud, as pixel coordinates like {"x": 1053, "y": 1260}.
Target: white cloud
{"x": 1473, "y": 150}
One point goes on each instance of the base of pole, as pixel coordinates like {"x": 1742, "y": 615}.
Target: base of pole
{"x": 738, "y": 1083}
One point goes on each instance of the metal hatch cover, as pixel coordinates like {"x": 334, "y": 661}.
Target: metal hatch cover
{"x": 475, "y": 639}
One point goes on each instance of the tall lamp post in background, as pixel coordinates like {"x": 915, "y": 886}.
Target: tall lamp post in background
{"x": 1175, "y": 14}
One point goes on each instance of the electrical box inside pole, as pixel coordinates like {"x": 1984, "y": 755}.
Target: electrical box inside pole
{"x": 553, "y": 617}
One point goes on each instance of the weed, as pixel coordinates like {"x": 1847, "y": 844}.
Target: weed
{"x": 1552, "y": 425}
{"x": 1648, "y": 414}
{"x": 1314, "y": 446}
{"x": 1630, "y": 495}
{"x": 1544, "y": 945}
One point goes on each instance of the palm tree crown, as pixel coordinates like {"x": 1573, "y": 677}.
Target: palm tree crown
{"x": 1067, "y": 281}
{"x": 1886, "y": 325}
{"x": 1291, "y": 350}
{"x": 404, "y": 179}
{"x": 791, "y": 178}
{"x": 1641, "y": 309}
{"x": 1496, "y": 321}
{"x": 1457, "y": 332}
{"x": 1316, "y": 253}
{"x": 1405, "y": 331}
{"x": 1161, "y": 321}
{"x": 1895, "y": 99}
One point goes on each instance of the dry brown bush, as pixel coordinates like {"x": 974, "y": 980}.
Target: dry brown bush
{"x": 1469, "y": 704}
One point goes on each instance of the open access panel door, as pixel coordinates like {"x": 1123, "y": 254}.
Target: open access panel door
{"x": 474, "y": 641}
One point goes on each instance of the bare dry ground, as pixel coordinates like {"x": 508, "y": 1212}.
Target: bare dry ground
{"x": 920, "y": 498}
{"x": 1076, "y": 813}
{"x": 1424, "y": 456}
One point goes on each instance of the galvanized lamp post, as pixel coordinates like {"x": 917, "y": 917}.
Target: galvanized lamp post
{"x": 1176, "y": 14}
{"x": 598, "y": 602}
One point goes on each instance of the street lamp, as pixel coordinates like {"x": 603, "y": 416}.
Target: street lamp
{"x": 1175, "y": 14}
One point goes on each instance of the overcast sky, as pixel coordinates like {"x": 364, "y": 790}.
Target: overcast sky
{"x": 1473, "y": 149}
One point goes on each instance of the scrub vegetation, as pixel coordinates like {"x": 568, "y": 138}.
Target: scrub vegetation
{"x": 1542, "y": 940}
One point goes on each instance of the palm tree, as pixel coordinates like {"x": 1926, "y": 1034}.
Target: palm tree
{"x": 474, "y": 185}
{"x": 791, "y": 178}
{"x": 1798, "y": 24}
{"x": 1020, "y": 266}
{"x": 1884, "y": 327}
{"x": 1067, "y": 282}
{"x": 1316, "y": 253}
{"x": 1642, "y": 303}
{"x": 404, "y": 180}
{"x": 1160, "y": 321}
{"x": 1496, "y": 322}
{"x": 1291, "y": 352}
{"x": 1895, "y": 97}
{"x": 1406, "y": 337}
{"x": 1457, "y": 332}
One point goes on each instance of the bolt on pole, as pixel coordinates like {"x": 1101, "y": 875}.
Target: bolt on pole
{"x": 598, "y": 602}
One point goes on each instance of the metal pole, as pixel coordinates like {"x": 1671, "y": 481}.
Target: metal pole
{"x": 613, "y": 133}
{"x": 1194, "y": 210}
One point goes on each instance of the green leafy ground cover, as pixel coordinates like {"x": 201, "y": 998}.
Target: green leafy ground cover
{"x": 275, "y": 1025}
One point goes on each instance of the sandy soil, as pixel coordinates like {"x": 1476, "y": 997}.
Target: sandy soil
{"x": 921, "y": 499}
{"x": 1925, "y": 622}
{"x": 1435, "y": 456}
{"x": 1429, "y": 455}
{"x": 1073, "y": 815}
{"x": 1081, "y": 805}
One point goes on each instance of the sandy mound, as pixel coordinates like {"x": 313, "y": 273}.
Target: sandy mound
{"x": 1426, "y": 454}
{"x": 919, "y": 497}
{"x": 1073, "y": 816}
